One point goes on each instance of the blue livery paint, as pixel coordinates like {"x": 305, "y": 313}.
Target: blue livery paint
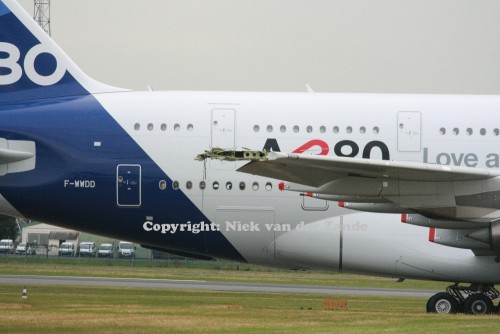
{"x": 3, "y": 9}
{"x": 65, "y": 130}
{"x": 12, "y": 31}
{"x": 65, "y": 121}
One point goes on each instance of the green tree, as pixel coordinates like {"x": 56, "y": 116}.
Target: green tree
{"x": 8, "y": 228}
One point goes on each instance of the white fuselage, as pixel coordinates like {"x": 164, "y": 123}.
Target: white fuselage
{"x": 272, "y": 227}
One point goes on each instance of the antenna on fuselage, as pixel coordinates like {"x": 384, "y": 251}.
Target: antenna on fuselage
{"x": 41, "y": 14}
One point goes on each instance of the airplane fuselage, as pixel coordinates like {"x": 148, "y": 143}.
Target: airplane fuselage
{"x": 122, "y": 164}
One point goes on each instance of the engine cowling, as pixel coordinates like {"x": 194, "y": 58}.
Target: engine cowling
{"x": 487, "y": 238}
{"x": 490, "y": 235}
{"x": 419, "y": 220}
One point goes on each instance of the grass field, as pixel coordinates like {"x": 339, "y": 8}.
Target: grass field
{"x": 51, "y": 309}
{"x": 58, "y": 309}
{"x": 205, "y": 271}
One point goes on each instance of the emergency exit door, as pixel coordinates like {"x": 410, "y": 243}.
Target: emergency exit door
{"x": 128, "y": 185}
{"x": 223, "y": 128}
{"x": 409, "y": 131}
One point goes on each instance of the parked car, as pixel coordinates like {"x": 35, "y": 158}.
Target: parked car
{"x": 7, "y": 246}
{"x": 106, "y": 250}
{"x": 24, "y": 248}
{"x": 126, "y": 249}
{"x": 67, "y": 249}
{"x": 87, "y": 249}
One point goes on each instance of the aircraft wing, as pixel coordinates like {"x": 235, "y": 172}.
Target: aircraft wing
{"x": 318, "y": 170}
{"x": 460, "y": 205}
{"x": 435, "y": 191}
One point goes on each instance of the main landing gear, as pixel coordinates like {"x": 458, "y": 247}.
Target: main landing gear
{"x": 474, "y": 299}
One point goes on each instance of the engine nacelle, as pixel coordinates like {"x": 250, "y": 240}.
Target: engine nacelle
{"x": 373, "y": 207}
{"x": 419, "y": 220}
{"x": 490, "y": 235}
{"x": 457, "y": 238}
{"x": 483, "y": 238}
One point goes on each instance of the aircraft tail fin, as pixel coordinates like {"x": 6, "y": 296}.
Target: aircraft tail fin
{"x": 32, "y": 66}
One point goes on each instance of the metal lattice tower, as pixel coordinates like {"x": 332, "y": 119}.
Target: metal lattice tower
{"x": 41, "y": 14}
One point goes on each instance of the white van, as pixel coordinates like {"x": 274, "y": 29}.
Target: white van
{"x": 7, "y": 246}
{"x": 106, "y": 250}
{"x": 67, "y": 249}
{"x": 87, "y": 249}
{"x": 126, "y": 249}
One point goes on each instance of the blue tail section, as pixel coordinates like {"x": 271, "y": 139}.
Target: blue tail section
{"x": 32, "y": 66}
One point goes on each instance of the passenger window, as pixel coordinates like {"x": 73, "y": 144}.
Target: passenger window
{"x": 242, "y": 185}
{"x": 255, "y": 186}
{"x": 175, "y": 185}
{"x": 203, "y": 185}
{"x": 229, "y": 185}
{"x": 163, "y": 127}
{"x": 269, "y": 186}
{"x": 189, "y": 184}
{"x": 215, "y": 185}
{"x": 137, "y": 126}
{"x": 162, "y": 185}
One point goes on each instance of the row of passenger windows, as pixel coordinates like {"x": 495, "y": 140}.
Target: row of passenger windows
{"x": 269, "y": 128}
{"x": 469, "y": 131}
{"x": 163, "y": 127}
{"x": 216, "y": 185}
{"x": 321, "y": 129}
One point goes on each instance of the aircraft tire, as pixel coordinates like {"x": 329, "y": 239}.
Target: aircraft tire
{"x": 442, "y": 303}
{"x": 478, "y": 304}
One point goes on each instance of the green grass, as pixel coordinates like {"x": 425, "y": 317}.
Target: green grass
{"x": 58, "y": 309}
{"x": 220, "y": 271}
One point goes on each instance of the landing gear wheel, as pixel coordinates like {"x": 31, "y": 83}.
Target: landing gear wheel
{"x": 478, "y": 304}
{"x": 442, "y": 303}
